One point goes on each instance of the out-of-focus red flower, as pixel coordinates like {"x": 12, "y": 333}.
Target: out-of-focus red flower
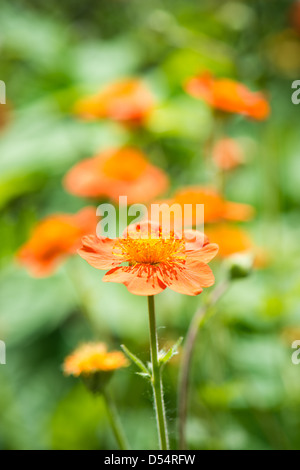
{"x": 55, "y": 238}
{"x": 216, "y": 208}
{"x": 126, "y": 101}
{"x": 114, "y": 173}
{"x": 231, "y": 239}
{"x": 155, "y": 260}
{"x": 227, "y": 154}
{"x": 228, "y": 95}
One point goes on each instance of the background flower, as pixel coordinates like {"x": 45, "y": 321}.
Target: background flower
{"x": 90, "y": 358}
{"x": 127, "y": 101}
{"x": 228, "y": 95}
{"x": 114, "y": 173}
{"x": 216, "y": 208}
{"x": 55, "y": 238}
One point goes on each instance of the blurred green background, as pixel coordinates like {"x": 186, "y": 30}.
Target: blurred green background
{"x": 245, "y": 390}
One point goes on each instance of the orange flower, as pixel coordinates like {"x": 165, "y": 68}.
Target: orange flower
{"x": 54, "y": 238}
{"x": 228, "y": 95}
{"x": 230, "y": 239}
{"x": 114, "y": 173}
{"x": 227, "y": 154}
{"x": 90, "y": 358}
{"x": 215, "y": 207}
{"x": 127, "y": 101}
{"x": 155, "y": 260}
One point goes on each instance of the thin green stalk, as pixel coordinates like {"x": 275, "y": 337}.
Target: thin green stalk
{"x": 184, "y": 374}
{"x": 156, "y": 379}
{"x": 114, "y": 421}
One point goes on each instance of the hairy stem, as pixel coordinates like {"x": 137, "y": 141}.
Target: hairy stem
{"x": 157, "y": 379}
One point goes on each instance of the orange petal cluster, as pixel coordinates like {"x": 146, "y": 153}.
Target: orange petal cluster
{"x": 231, "y": 239}
{"x": 114, "y": 173}
{"x": 90, "y": 358}
{"x": 55, "y": 238}
{"x": 154, "y": 260}
{"x": 228, "y": 95}
{"x": 127, "y": 101}
{"x": 216, "y": 208}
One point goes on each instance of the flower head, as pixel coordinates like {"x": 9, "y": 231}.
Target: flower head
{"x": 227, "y": 154}
{"x": 228, "y": 95}
{"x": 114, "y": 173}
{"x": 155, "y": 260}
{"x": 90, "y": 358}
{"x": 55, "y": 238}
{"x": 126, "y": 101}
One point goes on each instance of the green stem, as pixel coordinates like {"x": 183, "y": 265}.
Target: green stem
{"x": 114, "y": 421}
{"x": 157, "y": 379}
{"x": 184, "y": 373}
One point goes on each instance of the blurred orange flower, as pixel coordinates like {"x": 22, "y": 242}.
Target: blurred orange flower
{"x": 5, "y": 112}
{"x": 155, "y": 260}
{"x": 126, "y": 101}
{"x": 216, "y": 208}
{"x": 228, "y": 95}
{"x": 114, "y": 173}
{"x": 230, "y": 239}
{"x": 227, "y": 154}
{"x": 90, "y": 358}
{"x": 55, "y": 238}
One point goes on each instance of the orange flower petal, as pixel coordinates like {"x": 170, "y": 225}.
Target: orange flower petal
{"x": 139, "y": 279}
{"x": 205, "y": 254}
{"x": 230, "y": 239}
{"x": 237, "y": 211}
{"x": 98, "y": 252}
{"x": 55, "y": 238}
{"x": 115, "y": 173}
{"x": 215, "y": 207}
{"x": 183, "y": 280}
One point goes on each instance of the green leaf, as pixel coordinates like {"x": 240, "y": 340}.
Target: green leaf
{"x": 144, "y": 371}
